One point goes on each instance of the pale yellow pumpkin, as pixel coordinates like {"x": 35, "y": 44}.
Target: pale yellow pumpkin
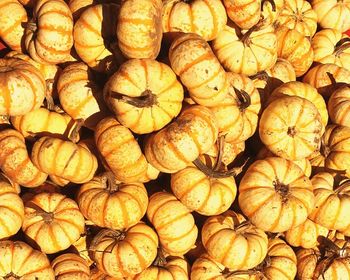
{"x": 70, "y": 267}
{"x": 339, "y": 106}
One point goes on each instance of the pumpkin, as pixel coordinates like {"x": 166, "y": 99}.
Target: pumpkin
{"x": 202, "y": 17}
{"x": 173, "y": 222}
{"x": 291, "y": 127}
{"x": 114, "y": 141}
{"x": 298, "y": 15}
{"x": 338, "y": 106}
{"x": 49, "y": 35}
{"x": 70, "y": 267}
{"x": 59, "y": 181}
{"x": 248, "y": 53}
{"x": 15, "y": 162}
{"x": 296, "y": 48}
{"x": 200, "y": 72}
{"x": 99, "y": 275}
{"x": 11, "y": 210}
{"x": 124, "y": 253}
{"x": 332, "y": 13}
{"x": 20, "y": 261}
{"x": 243, "y": 13}
{"x": 79, "y": 96}
{"x": 144, "y": 94}
{"x": 174, "y": 147}
{"x": 13, "y": 17}
{"x": 326, "y": 78}
{"x": 22, "y": 87}
{"x": 331, "y": 46}
{"x": 270, "y": 11}
{"x": 94, "y": 37}
{"x": 228, "y": 239}
{"x": 306, "y": 234}
{"x": 275, "y": 194}
{"x": 109, "y": 204}
{"x": 139, "y": 28}
{"x": 53, "y": 221}
{"x": 77, "y": 7}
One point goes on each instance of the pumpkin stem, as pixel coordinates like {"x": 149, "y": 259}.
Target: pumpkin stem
{"x": 109, "y": 180}
{"x": 110, "y": 233}
{"x": 261, "y": 76}
{"x": 342, "y": 186}
{"x": 74, "y": 133}
{"x": 11, "y": 276}
{"x": 272, "y": 2}
{"x": 221, "y": 147}
{"x": 281, "y": 189}
{"x": 242, "y": 225}
{"x": 291, "y": 131}
{"x": 31, "y": 25}
{"x": 246, "y": 37}
{"x": 244, "y": 100}
{"x": 146, "y": 99}
{"x": 226, "y": 273}
{"x": 160, "y": 260}
{"x": 5, "y": 119}
{"x": 341, "y": 46}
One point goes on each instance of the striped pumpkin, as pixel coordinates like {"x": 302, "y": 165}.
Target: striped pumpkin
{"x": 77, "y": 7}
{"x": 123, "y": 254}
{"x": 298, "y": 15}
{"x": 144, "y": 94}
{"x": 296, "y": 48}
{"x": 99, "y": 275}
{"x": 12, "y": 21}
{"x": 203, "y": 17}
{"x": 173, "y": 222}
{"x": 331, "y": 46}
{"x": 275, "y": 194}
{"x": 113, "y": 205}
{"x": 79, "y": 96}
{"x": 59, "y": 181}
{"x": 173, "y": 148}
{"x": 20, "y": 261}
{"x": 339, "y": 106}
{"x": 200, "y": 72}
{"x": 139, "y": 28}
{"x": 64, "y": 159}
{"x": 22, "y": 87}
{"x": 15, "y": 162}
{"x": 49, "y": 35}
{"x": 70, "y": 267}
{"x": 94, "y": 37}
{"x": 53, "y": 221}
{"x": 244, "y": 54}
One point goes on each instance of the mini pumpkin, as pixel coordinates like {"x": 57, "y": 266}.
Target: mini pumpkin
{"x": 338, "y": 106}
{"x": 99, "y": 275}
{"x": 70, "y": 267}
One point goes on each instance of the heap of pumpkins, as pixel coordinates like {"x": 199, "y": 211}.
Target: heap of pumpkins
{"x": 175, "y": 139}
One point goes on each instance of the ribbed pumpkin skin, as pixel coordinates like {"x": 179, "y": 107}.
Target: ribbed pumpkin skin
{"x": 51, "y": 39}
{"x": 205, "y": 268}
{"x": 138, "y": 77}
{"x": 77, "y": 7}
{"x": 200, "y": 193}
{"x": 79, "y": 96}
{"x": 275, "y": 194}
{"x": 70, "y": 267}
{"x": 244, "y": 13}
{"x": 306, "y": 234}
{"x": 202, "y": 17}
{"x": 139, "y": 28}
{"x": 333, "y": 13}
{"x": 64, "y": 159}
{"x": 11, "y": 210}
{"x": 22, "y": 87}
{"x": 130, "y": 255}
{"x": 298, "y": 15}
{"x": 200, "y": 72}
{"x": 116, "y": 142}
{"x": 53, "y": 221}
{"x": 230, "y": 245}
{"x": 247, "y": 57}
{"x": 13, "y": 16}
{"x": 112, "y": 208}
{"x": 15, "y": 161}
{"x": 174, "y": 147}
{"x": 99, "y": 275}
{"x": 324, "y": 44}
{"x": 296, "y": 48}
{"x": 339, "y": 106}
{"x": 173, "y": 222}
{"x": 23, "y": 262}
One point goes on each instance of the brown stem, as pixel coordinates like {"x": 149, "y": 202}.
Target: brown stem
{"x": 325, "y": 150}
{"x": 74, "y": 133}
{"x": 31, "y": 25}
{"x": 272, "y": 2}
{"x": 246, "y": 36}
{"x": 261, "y": 76}
{"x": 244, "y": 99}
{"x": 221, "y": 147}
{"x": 226, "y": 273}
{"x": 291, "y": 131}
{"x": 160, "y": 260}
{"x": 11, "y": 276}
{"x": 341, "y": 46}
{"x": 281, "y": 189}
{"x": 242, "y": 225}
{"x": 109, "y": 233}
{"x": 109, "y": 180}
{"x": 342, "y": 186}
{"x": 147, "y": 99}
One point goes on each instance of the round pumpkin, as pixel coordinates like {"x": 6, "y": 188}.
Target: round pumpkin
{"x": 110, "y": 204}
{"x": 124, "y": 253}
{"x": 200, "y": 72}
{"x": 52, "y": 221}
{"x": 275, "y": 194}
{"x": 202, "y": 17}
{"x": 20, "y": 261}
{"x": 99, "y": 275}
{"x": 339, "y": 106}
{"x": 144, "y": 94}
{"x": 70, "y": 267}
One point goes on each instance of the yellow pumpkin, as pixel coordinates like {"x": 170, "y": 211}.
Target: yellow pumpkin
{"x": 144, "y": 94}
{"x": 203, "y": 17}
{"x": 338, "y": 106}
{"x": 99, "y": 275}
{"x": 70, "y": 267}
{"x": 53, "y": 221}
{"x": 79, "y": 6}
{"x": 275, "y": 194}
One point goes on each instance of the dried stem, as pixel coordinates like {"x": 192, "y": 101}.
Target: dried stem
{"x": 244, "y": 99}
{"x": 341, "y": 46}
{"x": 74, "y": 133}
{"x": 272, "y": 2}
{"x": 146, "y": 99}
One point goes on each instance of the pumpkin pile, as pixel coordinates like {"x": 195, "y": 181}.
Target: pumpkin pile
{"x": 175, "y": 139}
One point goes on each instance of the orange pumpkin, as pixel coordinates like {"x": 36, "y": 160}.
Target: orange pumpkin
{"x": 275, "y": 194}
{"x": 70, "y": 267}
{"x": 99, "y": 275}
{"x": 202, "y": 17}
{"x": 338, "y": 106}
{"x": 144, "y": 95}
